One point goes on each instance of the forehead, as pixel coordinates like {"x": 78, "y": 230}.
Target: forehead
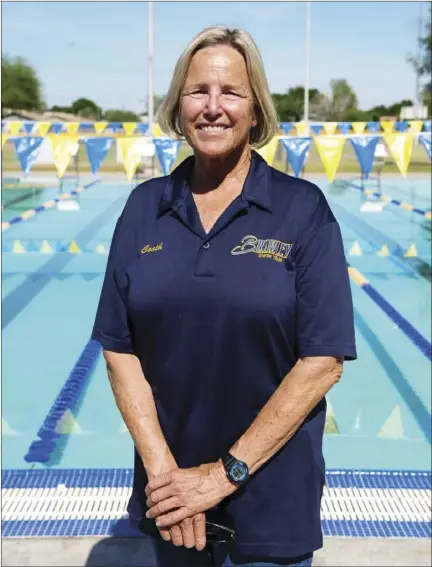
{"x": 217, "y": 62}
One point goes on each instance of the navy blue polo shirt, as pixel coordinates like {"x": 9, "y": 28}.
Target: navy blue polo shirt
{"x": 217, "y": 320}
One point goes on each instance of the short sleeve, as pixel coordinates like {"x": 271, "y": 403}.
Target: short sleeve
{"x": 112, "y": 326}
{"x": 324, "y": 309}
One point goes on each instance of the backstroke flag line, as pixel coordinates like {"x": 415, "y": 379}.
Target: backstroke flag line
{"x": 27, "y": 150}
{"x": 400, "y": 146}
{"x": 426, "y": 140}
{"x": 166, "y": 152}
{"x": 97, "y": 149}
{"x": 63, "y": 148}
{"x": 297, "y": 150}
{"x": 129, "y": 149}
{"x": 364, "y": 148}
{"x": 330, "y": 150}
{"x": 269, "y": 150}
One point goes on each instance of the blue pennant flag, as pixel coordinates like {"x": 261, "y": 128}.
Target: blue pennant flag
{"x": 297, "y": 150}
{"x": 27, "y": 150}
{"x": 373, "y": 127}
{"x": 86, "y": 127}
{"x": 142, "y": 127}
{"x": 286, "y": 127}
{"x": 364, "y": 147}
{"x": 97, "y": 149}
{"x": 116, "y": 127}
{"x": 316, "y": 128}
{"x": 3, "y": 125}
{"x": 401, "y": 126}
{"x": 427, "y": 125}
{"x": 426, "y": 140}
{"x": 344, "y": 127}
{"x": 56, "y": 127}
{"x": 28, "y": 127}
{"x": 166, "y": 151}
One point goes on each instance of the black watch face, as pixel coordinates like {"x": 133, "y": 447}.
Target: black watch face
{"x": 239, "y": 472}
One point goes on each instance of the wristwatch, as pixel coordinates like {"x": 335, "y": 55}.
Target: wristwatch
{"x": 236, "y": 471}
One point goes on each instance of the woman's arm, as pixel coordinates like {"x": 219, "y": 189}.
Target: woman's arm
{"x": 134, "y": 398}
{"x": 197, "y": 489}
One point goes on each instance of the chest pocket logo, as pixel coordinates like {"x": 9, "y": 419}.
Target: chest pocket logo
{"x": 268, "y": 248}
{"x": 147, "y": 248}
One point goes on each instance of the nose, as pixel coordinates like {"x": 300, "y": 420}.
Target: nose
{"x": 213, "y": 104}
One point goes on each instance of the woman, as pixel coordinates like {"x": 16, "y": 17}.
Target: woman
{"x": 225, "y": 317}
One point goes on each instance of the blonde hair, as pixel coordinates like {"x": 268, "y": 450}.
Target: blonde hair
{"x": 267, "y": 120}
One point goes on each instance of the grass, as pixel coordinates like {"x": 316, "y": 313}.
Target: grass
{"x": 420, "y": 162}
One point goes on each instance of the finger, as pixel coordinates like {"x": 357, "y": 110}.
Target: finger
{"x": 158, "y": 482}
{"x": 173, "y": 517}
{"x": 164, "y": 507}
{"x": 199, "y": 527}
{"x": 159, "y": 495}
{"x": 165, "y": 534}
{"x": 188, "y": 533}
{"x": 176, "y": 535}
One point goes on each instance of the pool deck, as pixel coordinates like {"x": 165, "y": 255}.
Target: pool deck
{"x": 114, "y": 551}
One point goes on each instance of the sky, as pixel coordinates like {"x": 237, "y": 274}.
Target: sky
{"x": 98, "y": 50}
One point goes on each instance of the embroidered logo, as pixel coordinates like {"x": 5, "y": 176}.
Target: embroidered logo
{"x": 267, "y": 248}
{"x": 147, "y": 248}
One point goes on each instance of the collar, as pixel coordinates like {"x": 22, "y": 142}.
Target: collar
{"x": 256, "y": 189}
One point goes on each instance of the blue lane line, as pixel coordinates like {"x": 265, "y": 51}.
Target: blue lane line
{"x": 40, "y": 451}
{"x": 411, "y": 332}
{"x": 45, "y": 206}
{"x": 389, "y": 200}
{"x": 21, "y": 296}
{"x": 417, "y": 408}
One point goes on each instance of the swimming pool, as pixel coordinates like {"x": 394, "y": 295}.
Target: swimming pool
{"x": 53, "y": 268}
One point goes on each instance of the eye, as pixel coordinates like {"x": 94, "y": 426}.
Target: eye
{"x": 231, "y": 95}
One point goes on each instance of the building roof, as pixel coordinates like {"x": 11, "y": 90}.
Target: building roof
{"x": 42, "y": 116}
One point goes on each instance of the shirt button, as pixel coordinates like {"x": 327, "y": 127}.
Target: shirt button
{"x": 206, "y": 245}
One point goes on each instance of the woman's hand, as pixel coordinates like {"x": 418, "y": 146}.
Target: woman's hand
{"x": 182, "y": 493}
{"x": 189, "y": 533}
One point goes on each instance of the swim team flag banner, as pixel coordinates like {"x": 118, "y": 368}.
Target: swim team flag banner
{"x": 63, "y": 148}
{"x": 316, "y": 128}
{"x": 415, "y": 126}
{"x": 27, "y": 150}
{"x": 166, "y": 152}
{"x": 269, "y": 150}
{"x": 56, "y": 127}
{"x": 330, "y": 128}
{"x": 72, "y": 127}
{"x": 286, "y": 127}
{"x": 344, "y": 127}
{"x": 97, "y": 149}
{"x": 427, "y": 125}
{"x": 143, "y": 128}
{"x": 157, "y": 132}
{"x": 387, "y": 126}
{"x": 100, "y": 127}
{"x": 364, "y": 148}
{"x": 373, "y": 127}
{"x": 400, "y": 146}
{"x": 129, "y": 128}
{"x": 330, "y": 150}
{"x": 43, "y": 127}
{"x": 358, "y": 127}
{"x": 426, "y": 140}
{"x": 130, "y": 154}
{"x": 401, "y": 126}
{"x": 302, "y": 129}
{"x": 297, "y": 150}
{"x": 4, "y": 138}
{"x": 14, "y": 127}
{"x": 28, "y": 127}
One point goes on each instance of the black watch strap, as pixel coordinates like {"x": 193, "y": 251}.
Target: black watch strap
{"x": 228, "y": 460}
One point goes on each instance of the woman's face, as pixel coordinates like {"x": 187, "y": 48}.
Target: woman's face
{"x": 216, "y": 107}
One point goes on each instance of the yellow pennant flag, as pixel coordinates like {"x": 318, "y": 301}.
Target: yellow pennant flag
{"x": 4, "y": 138}
{"x": 100, "y": 127}
{"x": 415, "y": 126}
{"x": 62, "y": 151}
{"x": 387, "y": 126}
{"x": 400, "y": 146}
{"x": 72, "y": 127}
{"x": 330, "y": 128}
{"x": 302, "y": 129}
{"x": 330, "y": 150}
{"x": 129, "y": 128}
{"x": 14, "y": 127}
{"x": 43, "y": 127}
{"x": 157, "y": 132}
{"x": 359, "y": 127}
{"x": 130, "y": 153}
{"x": 268, "y": 151}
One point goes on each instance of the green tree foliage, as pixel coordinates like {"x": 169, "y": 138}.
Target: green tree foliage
{"x": 121, "y": 116}
{"x": 86, "y": 108}
{"x": 21, "y": 87}
{"x": 290, "y": 106}
{"x": 339, "y": 106}
{"x": 423, "y": 64}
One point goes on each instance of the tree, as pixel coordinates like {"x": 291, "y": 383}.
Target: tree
{"x": 86, "y": 108}
{"x": 423, "y": 64}
{"x": 339, "y": 106}
{"x": 290, "y": 106}
{"x": 21, "y": 87}
{"x": 121, "y": 116}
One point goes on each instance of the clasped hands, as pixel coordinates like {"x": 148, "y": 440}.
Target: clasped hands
{"x": 182, "y": 494}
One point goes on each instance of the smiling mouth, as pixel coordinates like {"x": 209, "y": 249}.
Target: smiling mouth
{"x": 211, "y": 128}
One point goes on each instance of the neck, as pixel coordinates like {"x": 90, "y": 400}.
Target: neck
{"x": 210, "y": 173}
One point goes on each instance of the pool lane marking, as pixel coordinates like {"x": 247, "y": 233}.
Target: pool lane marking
{"x": 411, "y": 332}
{"x": 21, "y": 296}
{"x": 45, "y": 206}
{"x": 42, "y": 449}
